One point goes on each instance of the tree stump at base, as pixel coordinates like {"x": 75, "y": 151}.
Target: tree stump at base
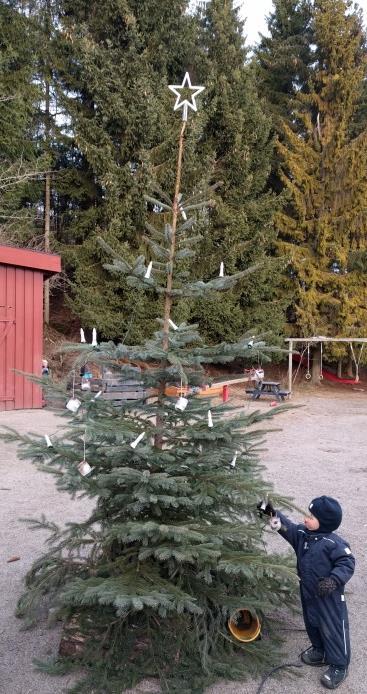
{"x": 72, "y": 643}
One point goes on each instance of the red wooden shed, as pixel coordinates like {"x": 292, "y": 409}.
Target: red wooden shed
{"x": 21, "y": 323}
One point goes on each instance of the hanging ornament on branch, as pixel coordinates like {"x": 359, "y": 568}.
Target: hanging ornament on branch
{"x": 73, "y": 404}
{"x": 94, "y": 338}
{"x": 84, "y": 468}
{"x": 221, "y": 270}
{"x": 181, "y": 403}
{"x": 82, "y": 336}
{"x": 210, "y": 420}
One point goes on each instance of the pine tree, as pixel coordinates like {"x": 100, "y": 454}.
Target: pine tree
{"x": 40, "y": 140}
{"x": 284, "y": 58}
{"x": 324, "y": 173}
{"x": 173, "y": 546}
{"x": 116, "y": 55}
{"x": 17, "y": 152}
{"x": 236, "y": 137}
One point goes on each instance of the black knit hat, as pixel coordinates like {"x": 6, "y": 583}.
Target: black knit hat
{"x": 328, "y": 512}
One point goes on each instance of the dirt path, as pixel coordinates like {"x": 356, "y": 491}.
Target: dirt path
{"x": 320, "y": 450}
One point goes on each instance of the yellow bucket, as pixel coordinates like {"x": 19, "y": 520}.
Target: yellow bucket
{"x": 244, "y": 625}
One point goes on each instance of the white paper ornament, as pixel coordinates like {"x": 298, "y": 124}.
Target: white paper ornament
{"x": 73, "y": 405}
{"x": 82, "y": 336}
{"x": 94, "y": 338}
{"x": 48, "y": 441}
{"x": 85, "y": 385}
{"x": 181, "y": 404}
{"x": 234, "y": 460}
{"x": 173, "y": 325}
{"x": 137, "y": 440}
{"x": 149, "y": 270}
{"x": 221, "y": 271}
{"x": 98, "y": 395}
{"x": 210, "y": 420}
{"x": 84, "y": 468}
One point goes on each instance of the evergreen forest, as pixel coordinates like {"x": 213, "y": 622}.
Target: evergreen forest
{"x": 86, "y": 127}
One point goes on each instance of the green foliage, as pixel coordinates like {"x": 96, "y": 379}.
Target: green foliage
{"x": 323, "y": 171}
{"x": 284, "y": 58}
{"x": 117, "y": 62}
{"x": 173, "y": 545}
{"x": 17, "y": 151}
{"x": 240, "y": 231}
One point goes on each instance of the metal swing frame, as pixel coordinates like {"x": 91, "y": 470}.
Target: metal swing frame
{"x": 318, "y": 339}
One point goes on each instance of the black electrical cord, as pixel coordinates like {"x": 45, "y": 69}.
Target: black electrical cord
{"x": 279, "y": 667}
{"x": 275, "y": 669}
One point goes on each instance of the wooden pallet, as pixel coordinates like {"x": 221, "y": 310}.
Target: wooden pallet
{"x": 124, "y": 389}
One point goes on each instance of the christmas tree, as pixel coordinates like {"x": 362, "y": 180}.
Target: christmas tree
{"x": 173, "y": 548}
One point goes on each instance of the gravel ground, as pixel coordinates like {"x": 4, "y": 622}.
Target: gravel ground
{"x": 320, "y": 450}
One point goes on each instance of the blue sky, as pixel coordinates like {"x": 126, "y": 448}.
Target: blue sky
{"x": 255, "y": 12}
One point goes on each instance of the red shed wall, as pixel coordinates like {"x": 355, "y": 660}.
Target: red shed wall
{"x": 21, "y": 336}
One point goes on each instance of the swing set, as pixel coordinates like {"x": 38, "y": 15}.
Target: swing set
{"x": 306, "y": 342}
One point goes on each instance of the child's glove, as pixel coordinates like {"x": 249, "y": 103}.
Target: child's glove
{"x": 275, "y": 523}
{"x": 326, "y": 586}
{"x": 265, "y": 507}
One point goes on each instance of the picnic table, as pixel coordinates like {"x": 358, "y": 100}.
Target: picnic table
{"x": 267, "y": 388}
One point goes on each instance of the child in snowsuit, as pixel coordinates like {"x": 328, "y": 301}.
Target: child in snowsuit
{"x": 324, "y": 564}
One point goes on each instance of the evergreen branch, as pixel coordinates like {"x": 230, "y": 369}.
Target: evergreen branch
{"x": 158, "y": 203}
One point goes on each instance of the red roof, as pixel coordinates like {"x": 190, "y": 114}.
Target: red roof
{"x": 47, "y": 263}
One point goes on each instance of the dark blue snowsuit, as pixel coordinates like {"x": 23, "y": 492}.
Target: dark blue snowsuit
{"x": 322, "y": 555}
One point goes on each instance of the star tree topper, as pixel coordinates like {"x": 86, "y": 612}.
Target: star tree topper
{"x": 181, "y": 102}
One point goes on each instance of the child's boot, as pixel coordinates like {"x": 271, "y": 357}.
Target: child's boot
{"x": 313, "y": 657}
{"x": 333, "y": 677}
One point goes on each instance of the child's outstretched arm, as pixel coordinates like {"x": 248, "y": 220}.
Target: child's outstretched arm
{"x": 292, "y": 532}
{"x": 288, "y": 529}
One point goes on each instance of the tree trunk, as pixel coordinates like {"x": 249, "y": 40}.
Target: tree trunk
{"x": 47, "y": 205}
{"x": 47, "y": 246}
{"x": 340, "y": 368}
{"x": 350, "y": 372}
{"x": 47, "y": 201}
{"x": 316, "y": 366}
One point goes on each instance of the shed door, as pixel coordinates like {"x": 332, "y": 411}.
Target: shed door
{"x": 7, "y": 337}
